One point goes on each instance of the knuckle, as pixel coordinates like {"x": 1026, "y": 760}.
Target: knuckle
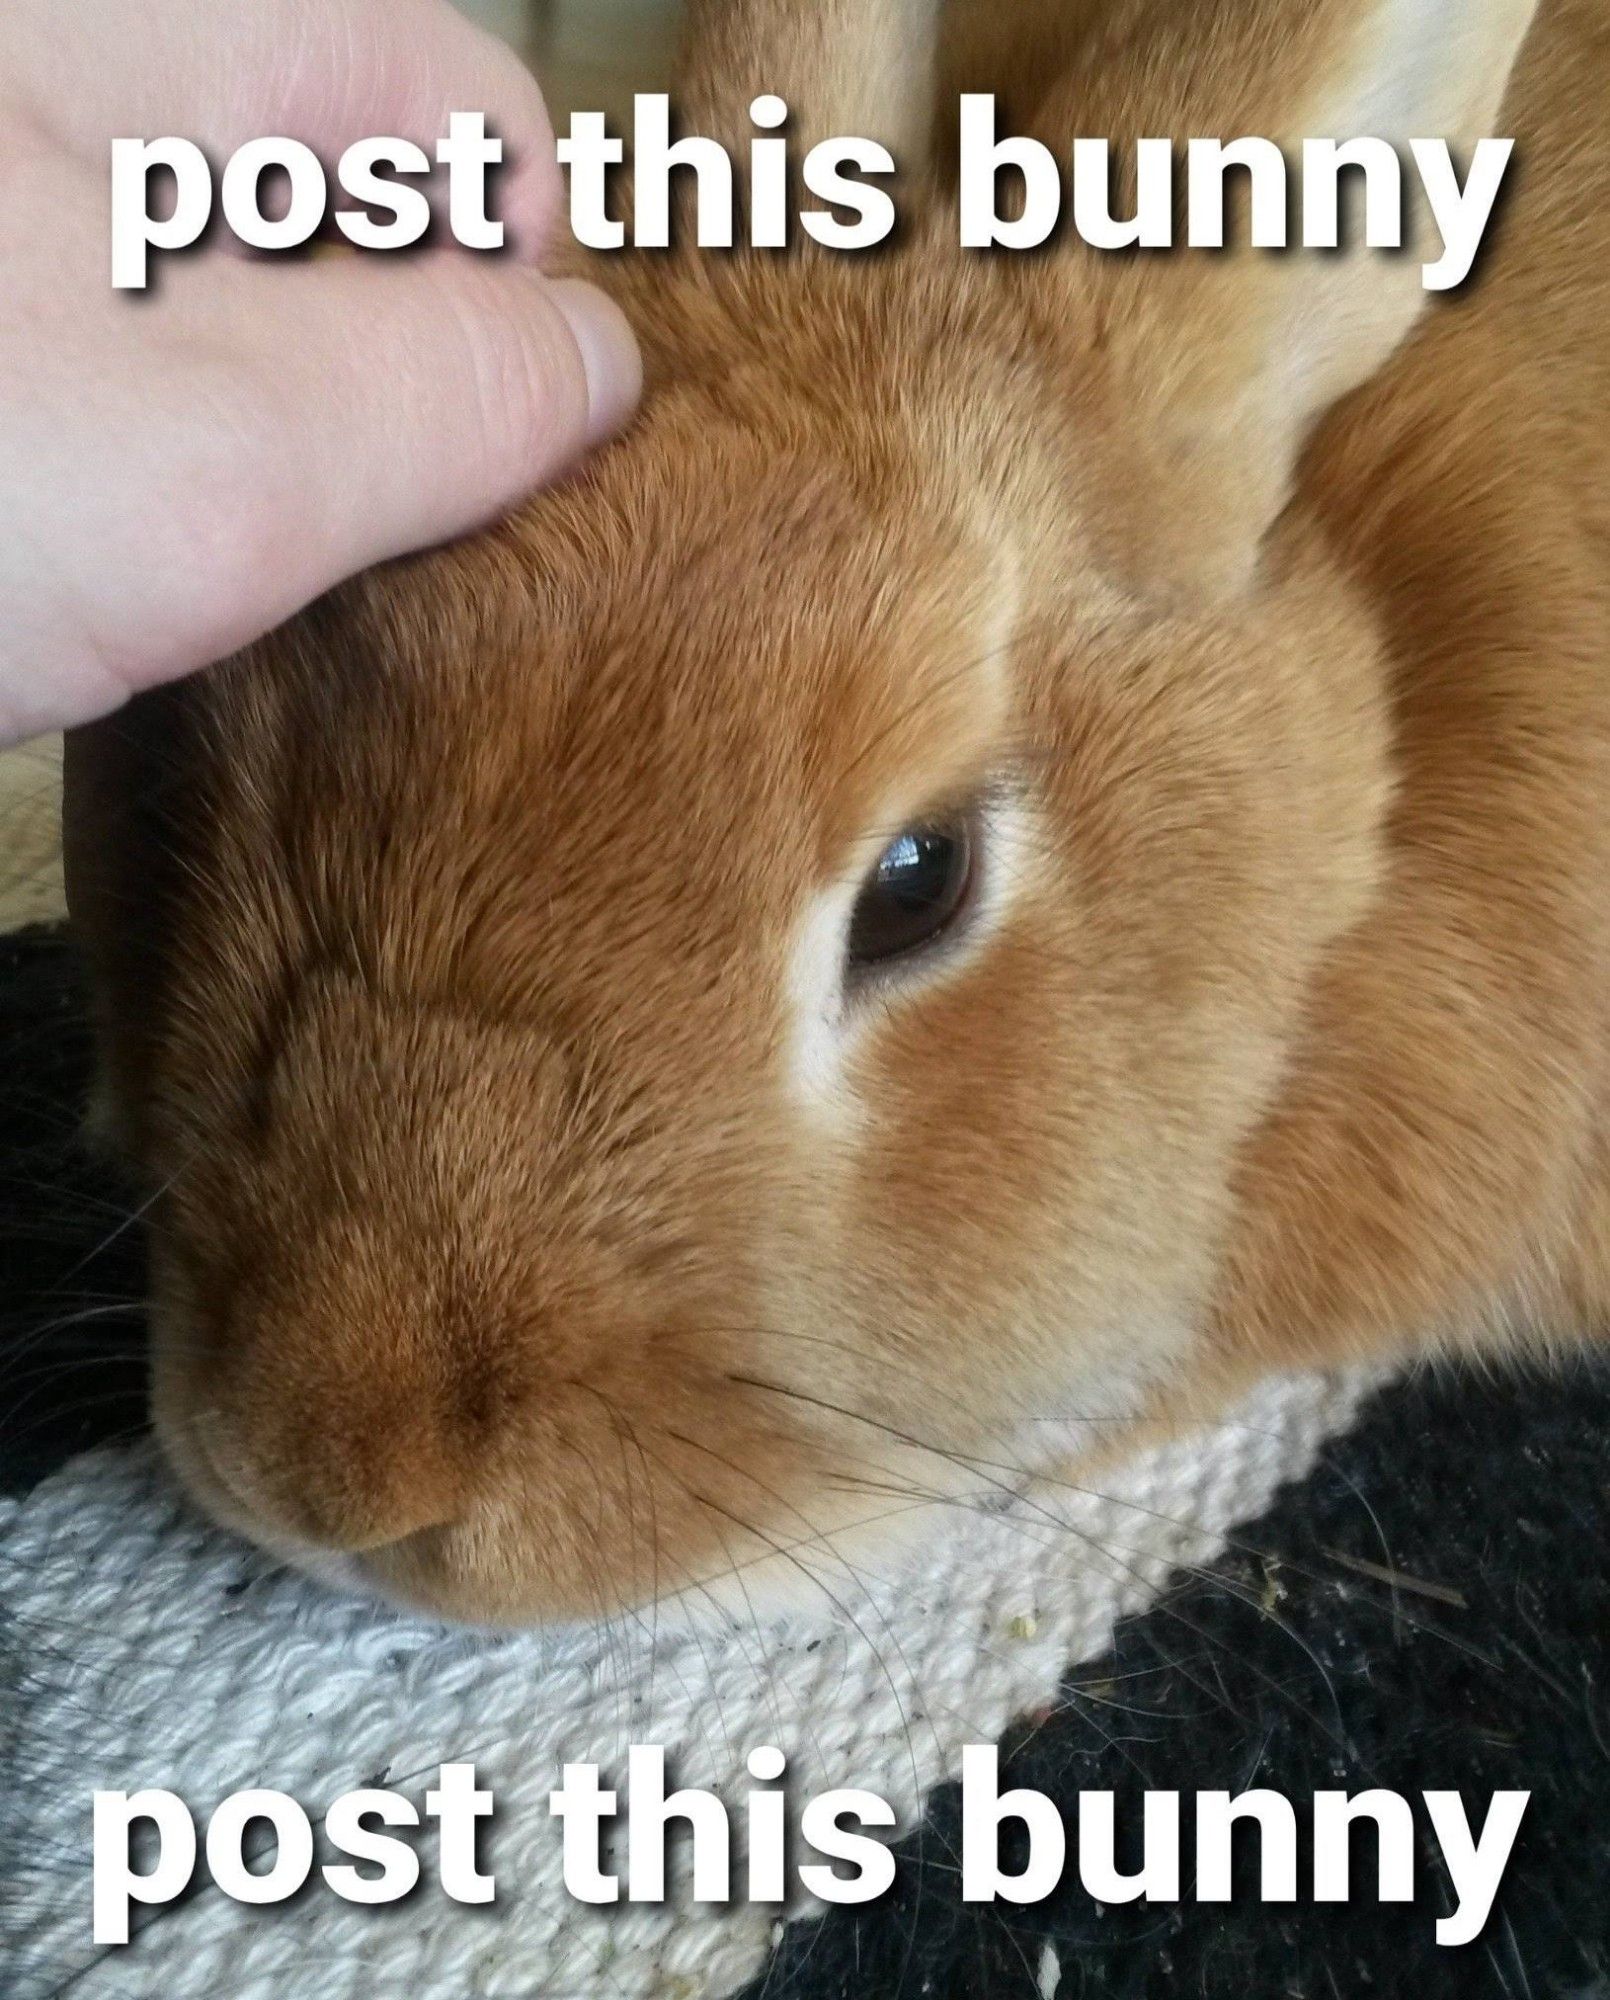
{"x": 529, "y": 380}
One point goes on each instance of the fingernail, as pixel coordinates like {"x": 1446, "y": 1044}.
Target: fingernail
{"x": 608, "y": 353}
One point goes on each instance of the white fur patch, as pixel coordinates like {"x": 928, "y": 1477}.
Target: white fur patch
{"x": 816, "y": 999}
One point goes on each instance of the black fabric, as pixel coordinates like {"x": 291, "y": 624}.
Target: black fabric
{"x": 1430, "y": 1610}
{"x": 1294, "y": 1666}
{"x": 72, "y": 1362}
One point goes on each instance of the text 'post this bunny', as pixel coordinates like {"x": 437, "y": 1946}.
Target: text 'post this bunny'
{"x": 1027, "y": 847}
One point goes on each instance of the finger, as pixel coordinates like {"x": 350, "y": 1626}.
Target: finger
{"x": 397, "y": 403}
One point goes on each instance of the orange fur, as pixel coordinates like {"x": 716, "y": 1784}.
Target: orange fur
{"x": 448, "y": 943}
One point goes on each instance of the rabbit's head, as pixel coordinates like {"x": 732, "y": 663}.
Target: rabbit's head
{"x": 720, "y": 1014}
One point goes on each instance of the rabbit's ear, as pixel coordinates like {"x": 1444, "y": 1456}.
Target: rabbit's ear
{"x": 844, "y": 67}
{"x": 1228, "y": 357}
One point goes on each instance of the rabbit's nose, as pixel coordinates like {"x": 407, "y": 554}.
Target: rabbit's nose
{"x": 336, "y": 1479}
{"x": 359, "y": 1525}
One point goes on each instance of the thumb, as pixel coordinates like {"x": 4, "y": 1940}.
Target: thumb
{"x": 417, "y": 399}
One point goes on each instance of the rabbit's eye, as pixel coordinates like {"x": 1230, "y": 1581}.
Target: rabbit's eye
{"x": 922, "y": 883}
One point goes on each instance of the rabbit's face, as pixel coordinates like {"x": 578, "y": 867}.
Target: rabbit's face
{"x": 716, "y": 1013}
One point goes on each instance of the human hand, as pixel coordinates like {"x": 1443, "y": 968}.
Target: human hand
{"x": 182, "y": 469}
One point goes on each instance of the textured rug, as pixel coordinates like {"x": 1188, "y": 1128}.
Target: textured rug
{"x": 1429, "y": 1608}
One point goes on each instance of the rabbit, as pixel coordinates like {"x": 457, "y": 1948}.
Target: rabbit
{"x": 1028, "y": 847}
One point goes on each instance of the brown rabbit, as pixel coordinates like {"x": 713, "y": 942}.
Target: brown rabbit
{"x": 1030, "y": 844}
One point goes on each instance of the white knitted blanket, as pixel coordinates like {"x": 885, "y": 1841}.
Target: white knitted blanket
{"x": 139, "y": 1647}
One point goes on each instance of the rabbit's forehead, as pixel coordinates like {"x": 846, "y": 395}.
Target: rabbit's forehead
{"x": 747, "y": 735}
{"x": 470, "y": 786}
{"x": 803, "y": 719}
{"x": 789, "y": 644}
{"x": 741, "y": 678}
